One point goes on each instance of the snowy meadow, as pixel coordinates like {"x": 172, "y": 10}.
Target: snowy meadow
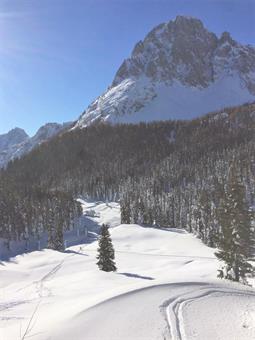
{"x": 164, "y": 277}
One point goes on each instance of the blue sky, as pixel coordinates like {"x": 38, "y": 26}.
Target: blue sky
{"x": 56, "y": 56}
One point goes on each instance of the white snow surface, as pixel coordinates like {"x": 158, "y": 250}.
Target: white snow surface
{"x": 141, "y": 100}
{"x": 164, "y": 288}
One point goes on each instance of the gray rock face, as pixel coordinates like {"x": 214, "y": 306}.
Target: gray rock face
{"x": 16, "y": 142}
{"x": 184, "y": 50}
{"x": 181, "y": 49}
{"x": 179, "y": 52}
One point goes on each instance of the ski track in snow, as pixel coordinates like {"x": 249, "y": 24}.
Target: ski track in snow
{"x": 40, "y": 285}
{"x": 176, "y": 306}
{"x": 156, "y": 321}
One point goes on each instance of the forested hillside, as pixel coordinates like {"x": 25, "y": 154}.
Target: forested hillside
{"x": 169, "y": 173}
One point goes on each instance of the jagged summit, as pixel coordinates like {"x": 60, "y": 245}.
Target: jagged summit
{"x": 18, "y": 132}
{"x": 179, "y": 70}
{"x": 181, "y": 49}
{"x": 226, "y": 38}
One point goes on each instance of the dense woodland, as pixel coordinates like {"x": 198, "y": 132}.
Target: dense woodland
{"x": 171, "y": 174}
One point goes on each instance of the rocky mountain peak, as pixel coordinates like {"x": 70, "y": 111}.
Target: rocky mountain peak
{"x": 18, "y": 134}
{"x": 48, "y": 130}
{"x": 180, "y": 49}
{"x": 226, "y": 38}
{"x": 184, "y": 50}
{"x": 179, "y": 69}
{"x": 187, "y": 24}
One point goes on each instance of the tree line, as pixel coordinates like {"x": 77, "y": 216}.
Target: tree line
{"x": 173, "y": 173}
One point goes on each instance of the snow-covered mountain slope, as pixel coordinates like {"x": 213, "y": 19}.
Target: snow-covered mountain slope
{"x": 179, "y": 71}
{"x": 16, "y": 142}
{"x": 49, "y": 295}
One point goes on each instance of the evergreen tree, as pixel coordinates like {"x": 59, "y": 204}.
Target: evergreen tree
{"x": 49, "y": 217}
{"x": 125, "y": 212}
{"x": 59, "y": 238}
{"x": 236, "y": 240}
{"x": 105, "y": 251}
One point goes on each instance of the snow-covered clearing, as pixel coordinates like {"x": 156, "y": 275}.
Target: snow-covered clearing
{"x": 165, "y": 288}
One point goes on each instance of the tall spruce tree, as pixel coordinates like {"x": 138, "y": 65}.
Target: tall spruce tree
{"x": 125, "y": 211}
{"x": 105, "y": 251}
{"x": 236, "y": 243}
{"x": 59, "y": 238}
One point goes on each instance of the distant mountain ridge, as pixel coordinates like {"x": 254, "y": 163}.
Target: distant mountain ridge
{"x": 14, "y": 136}
{"x": 16, "y": 142}
{"x": 179, "y": 71}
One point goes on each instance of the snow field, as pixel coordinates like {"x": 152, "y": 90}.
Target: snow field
{"x": 167, "y": 278}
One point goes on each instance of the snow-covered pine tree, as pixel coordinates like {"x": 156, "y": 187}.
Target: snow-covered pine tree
{"x": 236, "y": 241}
{"x": 105, "y": 251}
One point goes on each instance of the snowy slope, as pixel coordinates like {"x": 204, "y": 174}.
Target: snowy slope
{"x": 188, "y": 311}
{"x": 59, "y": 289}
{"x": 140, "y": 101}
{"x": 179, "y": 71}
